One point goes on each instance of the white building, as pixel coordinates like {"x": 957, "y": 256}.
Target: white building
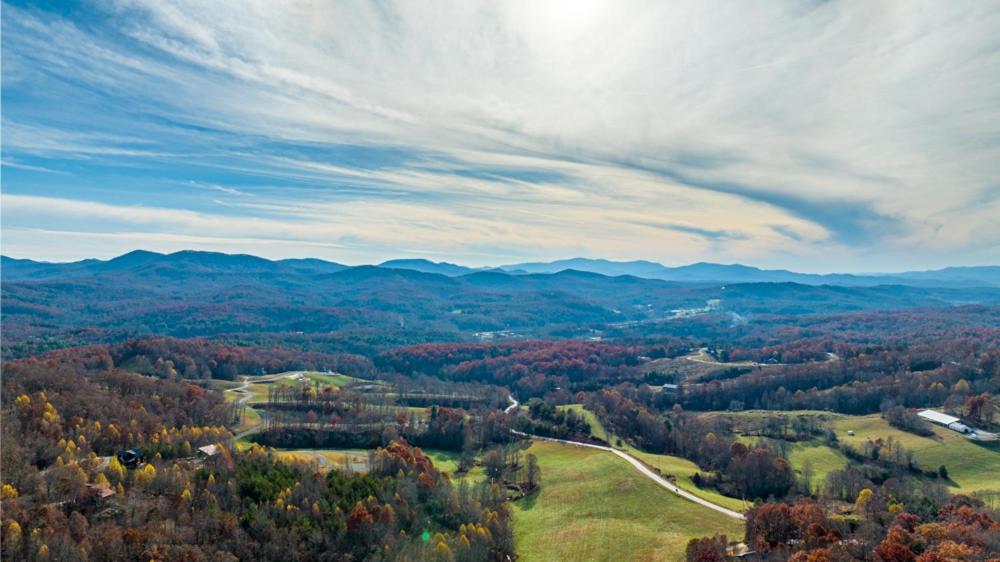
{"x": 939, "y": 418}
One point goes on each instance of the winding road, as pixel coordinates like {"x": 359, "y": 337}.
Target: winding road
{"x": 513, "y": 404}
{"x": 245, "y": 395}
{"x": 703, "y": 357}
{"x": 645, "y": 471}
{"x": 636, "y": 463}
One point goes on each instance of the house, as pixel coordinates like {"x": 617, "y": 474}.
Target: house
{"x": 130, "y": 458}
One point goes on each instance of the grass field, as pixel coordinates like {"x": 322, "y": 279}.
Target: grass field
{"x": 821, "y": 458}
{"x": 594, "y": 506}
{"x": 971, "y": 466}
{"x": 445, "y": 461}
{"x": 251, "y": 419}
{"x": 259, "y": 389}
{"x": 596, "y": 427}
{"x": 338, "y": 380}
{"x": 680, "y": 468}
{"x": 683, "y": 470}
{"x": 356, "y": 458}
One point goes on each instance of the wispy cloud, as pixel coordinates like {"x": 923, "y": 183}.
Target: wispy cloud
{"x": 816, "y": 135}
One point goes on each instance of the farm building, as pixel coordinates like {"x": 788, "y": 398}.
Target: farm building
{"x": 951, "y": 422}
{"x": 938, "y": 417}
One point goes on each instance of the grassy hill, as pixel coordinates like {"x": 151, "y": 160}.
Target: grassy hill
{"x": 971, "y": 466}
{"x": 681, "y": 469}
{"x": 594, "y": 506}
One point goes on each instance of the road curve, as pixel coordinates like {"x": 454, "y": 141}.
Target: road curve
{"x": 703, "y": 357}
{"x": 513, "y": 404}
{"x": 637, "y": 464}
{"x": 245, "y": 395}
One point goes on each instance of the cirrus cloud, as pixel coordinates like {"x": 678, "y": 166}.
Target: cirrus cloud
{"x": 816, "y": 135}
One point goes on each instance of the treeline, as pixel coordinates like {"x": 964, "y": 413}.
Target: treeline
{"x": 731, "y": 467}
{"x": 206, "y": 359}
{"x": 858, "y": 383}
{"x": 960, "y": 529}
{"x": 548, "y": 421}
{"x": 798, "y": 351}
{"x": 359, "y": 425}
{"x": 529, "y": 369}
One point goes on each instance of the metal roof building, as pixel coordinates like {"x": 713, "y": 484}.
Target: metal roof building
{"x": 938, "y": 417}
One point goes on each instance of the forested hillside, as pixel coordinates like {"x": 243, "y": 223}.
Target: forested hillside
{"x": 191, "y": 294}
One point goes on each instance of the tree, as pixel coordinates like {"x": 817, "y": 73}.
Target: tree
{"x": 769, "y": 524}
{"x": 891, "y": 551}
{"x": 493, "y": 465}
{"x": 864, "y": 498}
{"x": 533, "y": 470}
{"x": 707, "y": 549}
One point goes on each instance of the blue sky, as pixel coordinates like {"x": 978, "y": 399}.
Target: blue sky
{"x": 818, "y": 136}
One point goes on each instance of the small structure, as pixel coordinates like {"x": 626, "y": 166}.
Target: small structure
{"x": 208, "y": 451}
{"x": 850, "y": 433}
{"x": 130, "y": 458}
{"x": 959, "y": 427}
{"x": 100, "y": 491}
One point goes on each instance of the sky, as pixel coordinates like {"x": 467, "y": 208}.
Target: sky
{"x": 814, "y": 136}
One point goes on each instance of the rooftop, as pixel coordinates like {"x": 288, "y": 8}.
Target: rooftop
{"x": 937, "y": 417}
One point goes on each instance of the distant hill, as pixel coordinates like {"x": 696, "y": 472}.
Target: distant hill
{"x": 647, "y": 269}
{"x": 984, "y": 276}
{"x": 177, "y": 265}
{"x": 427, "y": 266}
{"x": 192, "y": 262}
{"x": 187, "y": 294}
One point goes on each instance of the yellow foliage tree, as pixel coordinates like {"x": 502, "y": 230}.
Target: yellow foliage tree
{"x": 145, "y": 475}
{"x": 116, "y": 470}
{"x": 12, "y": 534}
{"x": 863, "y": 498}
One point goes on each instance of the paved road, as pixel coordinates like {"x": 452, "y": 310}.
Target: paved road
{"x": 638, "y": 465}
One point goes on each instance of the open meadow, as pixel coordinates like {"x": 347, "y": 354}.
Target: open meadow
{"x": 594, "y": 506}
{"x": 972, "y": 466}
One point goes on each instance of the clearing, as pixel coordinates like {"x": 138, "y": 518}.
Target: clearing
{"x": 681, "y": 469}
{"x": 972, "y": 465}
{"x": 595, "y": 506}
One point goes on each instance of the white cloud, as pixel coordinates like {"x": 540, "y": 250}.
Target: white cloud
{"x": 846, "y": 131}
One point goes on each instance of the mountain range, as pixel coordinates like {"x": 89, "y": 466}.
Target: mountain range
{"x": 190, "y": 294}
{"x": 980, "y": 276}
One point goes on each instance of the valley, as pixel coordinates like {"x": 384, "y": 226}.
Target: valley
{"x": 576, "y": 436}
